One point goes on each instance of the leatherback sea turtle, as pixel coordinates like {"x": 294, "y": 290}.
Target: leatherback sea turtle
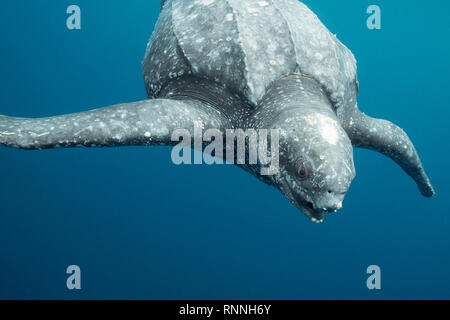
{"x": 244, "y": 64}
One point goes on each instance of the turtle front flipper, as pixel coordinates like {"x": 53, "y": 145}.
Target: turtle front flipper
{"x": 149, "y": 122}
{"x": 388, "y": 139}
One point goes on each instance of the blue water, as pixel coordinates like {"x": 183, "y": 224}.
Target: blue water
{"x": 141, "y": 227}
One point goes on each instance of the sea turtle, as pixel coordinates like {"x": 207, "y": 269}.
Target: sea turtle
{"x": 267, "y": 64}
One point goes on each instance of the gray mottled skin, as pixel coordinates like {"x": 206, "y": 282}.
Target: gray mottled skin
{"x": 249, "y": 64}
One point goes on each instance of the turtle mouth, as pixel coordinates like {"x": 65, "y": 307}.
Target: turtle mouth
{"x": 316, "y": 215}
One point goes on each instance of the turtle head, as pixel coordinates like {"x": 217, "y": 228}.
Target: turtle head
{"x": 316, "y": 164}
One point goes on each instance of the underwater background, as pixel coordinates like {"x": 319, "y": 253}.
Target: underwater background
{"x": 141, "y": 227}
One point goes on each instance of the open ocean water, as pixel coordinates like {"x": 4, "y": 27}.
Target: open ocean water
{"x": 140, "y": 227}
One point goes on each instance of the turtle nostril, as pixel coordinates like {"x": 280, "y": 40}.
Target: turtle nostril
{"x": 329, "y": 191}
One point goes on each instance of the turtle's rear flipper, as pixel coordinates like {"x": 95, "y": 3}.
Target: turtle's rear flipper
{"x": 388, "y": 139}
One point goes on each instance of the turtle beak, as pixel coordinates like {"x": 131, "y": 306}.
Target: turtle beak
{"x": 316, "y": 215}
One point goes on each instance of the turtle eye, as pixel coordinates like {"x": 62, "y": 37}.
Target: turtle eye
{"x": 302, "y": 171}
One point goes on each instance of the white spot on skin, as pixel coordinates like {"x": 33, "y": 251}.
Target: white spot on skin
{"x": 328, "y": 130}
{"x": 229, "y": 17}
{"x": 263, "y": 3}
{"x": 147, "y": 134}
{"x": 206, "y": 2}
